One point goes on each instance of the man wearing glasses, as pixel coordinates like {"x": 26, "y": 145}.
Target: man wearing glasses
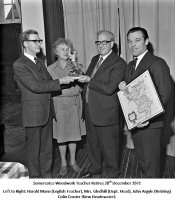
{"x": 36, "y": 84}
{"x": 102, "y": 78}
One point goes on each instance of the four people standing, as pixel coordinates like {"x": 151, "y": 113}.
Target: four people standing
{"x": 105, "y": 74}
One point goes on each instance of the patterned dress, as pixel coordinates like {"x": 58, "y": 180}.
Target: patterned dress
{"x": 68, "y": 108}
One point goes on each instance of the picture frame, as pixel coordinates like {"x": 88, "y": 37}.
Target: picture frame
{"x": 140, "y": 102}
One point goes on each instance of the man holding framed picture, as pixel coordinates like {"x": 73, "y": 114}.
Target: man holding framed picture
{"x": 147, "y": 135}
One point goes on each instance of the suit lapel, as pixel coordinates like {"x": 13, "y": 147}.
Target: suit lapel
{"x": 35, "y": 68}
{"x": 30, "y": 63}
{"x": 143, "y": 65}
{"x": 92, "y": 66}
{"x": 107, "y": 62}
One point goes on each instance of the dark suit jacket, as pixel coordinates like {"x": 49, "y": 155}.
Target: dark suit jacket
{"x": 161, "y": 76}
{"x": 103, "y": 101}
{"x": 35, "y": 89}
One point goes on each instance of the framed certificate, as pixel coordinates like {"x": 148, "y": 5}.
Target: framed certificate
{"x": 140, "y": 101}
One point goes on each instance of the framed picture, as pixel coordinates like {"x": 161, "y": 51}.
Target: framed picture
{"x": 140, "y": 101}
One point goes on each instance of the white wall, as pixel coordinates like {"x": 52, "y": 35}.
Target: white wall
{"x": 32, "y": 18}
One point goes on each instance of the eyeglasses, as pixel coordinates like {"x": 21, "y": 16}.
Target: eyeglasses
{"x": 35, "y": 41}
{"x": 104, "y": 42}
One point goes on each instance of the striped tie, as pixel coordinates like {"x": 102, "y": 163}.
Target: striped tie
{"x": 97, "y": 66}
{"x": 93, "y": 73}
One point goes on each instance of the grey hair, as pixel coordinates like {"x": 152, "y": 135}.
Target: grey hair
{"x": 62, "y": 41}
{"x": 25, "y": 35}
{"x": 108, "y": 33}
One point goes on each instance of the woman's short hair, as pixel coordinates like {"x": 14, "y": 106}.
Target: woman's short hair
{"x": 62, "y": 41}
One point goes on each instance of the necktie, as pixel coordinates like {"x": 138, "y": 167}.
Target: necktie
{"x": 97, "y": 66}
{"x": 93, "y": 73}
{"x": 38, "y": 64}
{"x": 133, "y": 65}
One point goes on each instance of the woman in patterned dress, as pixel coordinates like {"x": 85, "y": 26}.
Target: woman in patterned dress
{"x": 69, "y": 126}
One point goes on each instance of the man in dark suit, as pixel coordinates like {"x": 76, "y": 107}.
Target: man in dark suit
{"x": 147, "y": 135}
{"x": 103, "y": 76}
{"x": 36, "y": 84}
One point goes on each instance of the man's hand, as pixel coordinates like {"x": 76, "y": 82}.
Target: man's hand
{"x": 122, "y": 85}
{"x": 141, "y": 125}
{"x": 68, "y": 79}
{"x": 84, "y": 79}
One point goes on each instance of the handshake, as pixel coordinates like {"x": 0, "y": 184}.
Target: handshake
{"x": 69, "y": 79}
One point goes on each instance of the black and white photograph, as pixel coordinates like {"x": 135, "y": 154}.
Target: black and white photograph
{"x": 65, "y": 132}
